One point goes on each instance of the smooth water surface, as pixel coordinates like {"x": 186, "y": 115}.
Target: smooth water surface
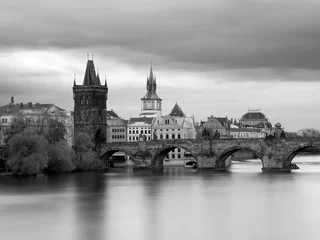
{"x": 179, "y": 203}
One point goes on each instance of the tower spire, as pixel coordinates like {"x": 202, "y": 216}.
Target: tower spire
{"x": 74, "y": 79}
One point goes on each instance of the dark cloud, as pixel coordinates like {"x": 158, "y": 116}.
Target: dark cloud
{"x": 202, "y": 35}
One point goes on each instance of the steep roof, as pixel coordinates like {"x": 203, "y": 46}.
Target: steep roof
{"x": 112, "y": 114}
{"x": 17, "y": 108}
{"x": 176, "y": 111}
{"x": 144, "y": 120}
{"x": 90, "y": 77}
{"x": 222, "y": 120}
{"x": 151, "y": 87}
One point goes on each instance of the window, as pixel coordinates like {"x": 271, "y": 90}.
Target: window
{"x": 149, "y": 131}
{"x": 179, "y": 136}
{"x": 161, "y": 136}
{"x": 167, "y": 136}
{"x": 166, "y": 121}
{"x": 173, "y": 136}
{"x": 129, "y": 138}
{"x": 179, "y": 149}
{"x": 179, "y": 155}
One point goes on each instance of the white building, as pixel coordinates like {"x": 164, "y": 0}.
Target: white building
{"x": 247, "y": 133}
{"x": 139, "y": 129}
{"x": 173, "y": 127}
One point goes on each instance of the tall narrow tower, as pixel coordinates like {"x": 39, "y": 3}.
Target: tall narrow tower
{"x": 151, "y": 103}
{"x": 90, "y": 105}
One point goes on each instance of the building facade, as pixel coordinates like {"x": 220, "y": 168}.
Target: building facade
{"x": 139, "y": 129}
{"x": 247, "y": 133}
{"x": 37, "y": 116}
{"x": 214, "y": 127}
{"x": 90, "y": 105}
{"x": 116, "y": 129}
{"x": 174, "y": 126}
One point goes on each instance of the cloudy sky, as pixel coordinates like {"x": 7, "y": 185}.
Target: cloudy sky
{"x": 213, "y": 57}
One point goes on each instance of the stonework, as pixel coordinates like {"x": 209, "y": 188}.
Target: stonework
{"x": 90, "y": 104}
{"x": 275, "y": 155}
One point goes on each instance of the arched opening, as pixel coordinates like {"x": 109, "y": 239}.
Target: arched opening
{"x": 240, "y": 158}
{"x": 175, "y": 156}
{"x": 303, "y": 157}
{"x": 117, "y": 158}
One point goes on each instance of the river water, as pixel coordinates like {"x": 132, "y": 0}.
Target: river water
{"x": 179, "y": 203}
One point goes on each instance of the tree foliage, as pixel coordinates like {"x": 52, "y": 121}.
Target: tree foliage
{"x": 59, "y": 157}
{"x": 82, "y": 142}
{"x": 55, "y": 132}
{"x": 27, "y": 153}
{"x": 17, "y": 126}
{"x": 85, "y": 159}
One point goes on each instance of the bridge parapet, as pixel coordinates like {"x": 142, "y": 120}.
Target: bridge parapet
{"x": 275, "y": 154}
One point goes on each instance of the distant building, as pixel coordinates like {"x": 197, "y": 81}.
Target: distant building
{"x": 255, "y": 118}
{"x": 174, "y": 126}
{"x": 214, "y": 127}
{"x": 151, "y": 103}
{"x": 90, "y": 105}
{"x": 36, "y": 115}
{"x": 139, "y": 129}
{"x": 247, "y": 133}
{"x": 308, "y": 132}
{"x": 117, "y": 128}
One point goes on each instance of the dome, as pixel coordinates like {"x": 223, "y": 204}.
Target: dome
{"x": 278, "y": 125}
{"x": 253, "y": 116}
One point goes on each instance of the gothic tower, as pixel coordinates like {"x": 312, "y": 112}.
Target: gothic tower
{"x": 151, "y": 103}
{"x": 90, "y": 105}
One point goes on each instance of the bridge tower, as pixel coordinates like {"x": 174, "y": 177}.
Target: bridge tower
{"x": 151, "y": 103}
{"x": 90, "y": 105}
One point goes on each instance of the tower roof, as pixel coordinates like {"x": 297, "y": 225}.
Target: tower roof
{"x": 90, "y": 77}
{"x": 176, "y": 111}
{"x": 151, "y": 87}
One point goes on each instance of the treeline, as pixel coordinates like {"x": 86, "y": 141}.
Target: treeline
{"x": 32, "y": 150}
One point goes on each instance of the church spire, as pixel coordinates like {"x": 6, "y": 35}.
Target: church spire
{"x": 151, "y": 86}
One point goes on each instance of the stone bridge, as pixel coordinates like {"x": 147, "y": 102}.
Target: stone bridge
{"x": 275, "y": 154}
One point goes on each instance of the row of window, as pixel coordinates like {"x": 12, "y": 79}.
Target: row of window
{"x": 118, "y": 136}
{"x": 118, "y": 130}
{"x": 137, "y": 138}
{"x": 86, "y": 101}
{"x": 4, "y": 120}
{"x": 173, "y": 156}
{"x": 141, "y": 131}
{"x": 173, "y": 136}
{"x": 137, "y": 128}
{"x": 167, "y": 129}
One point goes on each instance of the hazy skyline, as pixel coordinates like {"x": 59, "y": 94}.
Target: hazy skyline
{"x": 212, "y": 57}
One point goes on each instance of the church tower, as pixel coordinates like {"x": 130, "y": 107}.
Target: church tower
{"x": 151, "y": 103}
{"x": 90, "y": 105}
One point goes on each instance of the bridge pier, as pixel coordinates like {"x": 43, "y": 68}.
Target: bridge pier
{"x": 274, "y": 163}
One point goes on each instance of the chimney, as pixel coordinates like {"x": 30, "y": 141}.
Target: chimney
{"x": 21, "y": 105}
{"x": 12, "y": 101}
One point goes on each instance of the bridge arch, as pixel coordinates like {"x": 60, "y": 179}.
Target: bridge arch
{"x": 293, "y": 153}
{"x": 160, "y": 154}
{"x": 109, "y": 152}
{"x": 223, "y": 156}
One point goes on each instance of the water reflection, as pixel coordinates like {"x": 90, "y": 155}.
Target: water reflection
{"x": 243, "y": 203}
